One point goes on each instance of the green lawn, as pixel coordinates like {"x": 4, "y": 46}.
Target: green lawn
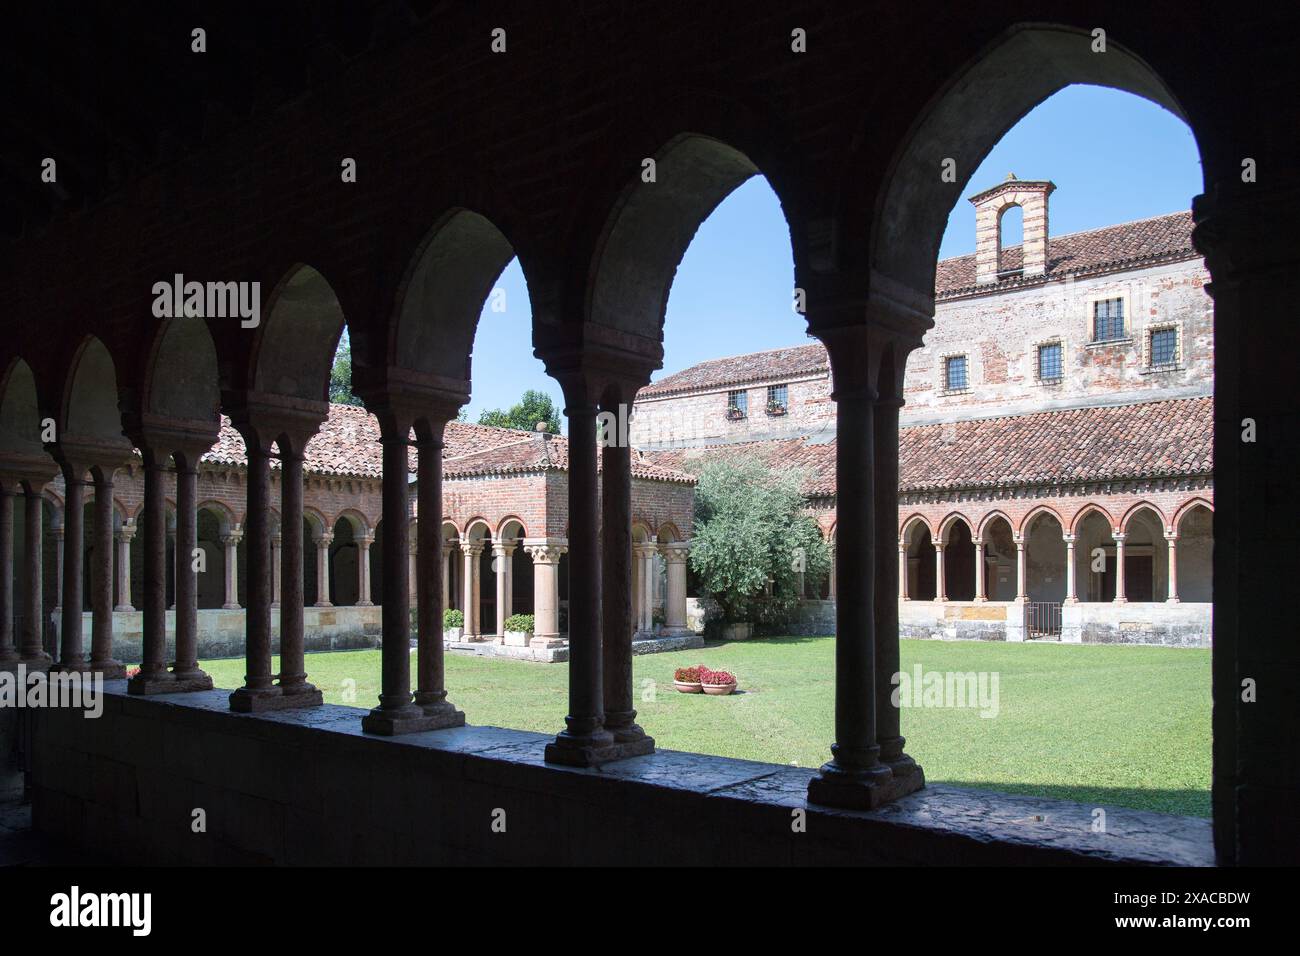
{"x": 1128, "y": 726}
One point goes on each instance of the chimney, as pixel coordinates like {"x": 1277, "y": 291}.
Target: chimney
{"x": 1031, "y": 197}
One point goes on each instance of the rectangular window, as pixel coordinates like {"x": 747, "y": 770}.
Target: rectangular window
{"x": 1108, "y": 320}
{"x": 737, "y": 403}
{"x": 954, "y": 373}
{"x": 1049, "y": 362}
{"x": 1164, "y": 347}
{"x": 778, "y": 399}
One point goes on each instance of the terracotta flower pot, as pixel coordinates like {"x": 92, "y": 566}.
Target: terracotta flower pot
{"x": 686, "y": 687}
{"x": 719, "y": 690}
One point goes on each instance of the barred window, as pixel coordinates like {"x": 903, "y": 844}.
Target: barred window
{"x": 1049, "y": 362}
{"x": 1164, "y": 347}
{"x": 954, "y": 373}
{"x": 738, "y": 403}
{"x": 778, "y": 396}
{"x": 1108, "y": 320}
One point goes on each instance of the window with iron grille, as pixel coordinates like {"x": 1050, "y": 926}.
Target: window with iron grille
{"x": 1108, "y": 320}
{"x": 778, "y": 399}
{"x": 1164, "y": 347}
{"x": 738, "y": 403}
{"x": 955, "y": 377}
{"x": 1049, "y": 362}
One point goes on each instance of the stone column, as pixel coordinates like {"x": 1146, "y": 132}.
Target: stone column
{"x": 445, "y": 572}
{"x": 364, "y": 541}
{"x": 176, "y": 566}
{"x": 1071, "y": 588}
{"x": 675, "y": 554}
{"x": 1172, "y": 538}
{"x": 295, "y": 690}
{"x": 30, "y": 652}
{"x": 413, "y": 564}
{"x": 258, "y": 692}
{"x": 830, "y": 584}
{"x": 72, "y": 655}
{"x": 616, "y": 576}
{"x": 231, "y": 542}
{"x": 323, "y": 540}
{"x": 153, "y": 676}
{"x": 638, "y": 588}
{"x": 8, "y": 653}
{"x": 854, "y": 776}
{"x": 431, "y": 578}
{"x": 471, "y": 549}
{"x": 584, "y": 741}
{"x": 546, "y": 592}
{"x": 501, "y": 553}
{"x": 397, "y": 712}
{"x": 124, "y": 536}
{"x": 277, "y": 571}
{"x": 101, "y": 578}
{"x": 940, "y": 586}
{"x": 902, "y": 573}
{"x": 645, "y": 587}
{"x": 1120, "y": 597}
{"x": 58, "y": 570}
{"x": 981, "y": 593}
{"x": 185, "y": 670}
{"x": 1021, "y": 588}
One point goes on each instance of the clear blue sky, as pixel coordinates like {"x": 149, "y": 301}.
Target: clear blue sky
{"x": 1114, "y": 157}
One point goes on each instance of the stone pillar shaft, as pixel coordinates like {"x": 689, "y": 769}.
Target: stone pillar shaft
{"x": 584, "y": 736}
{"x": 124, "y": 537}
{"x": 71, "y": 652}
{"x": 471, "y": 550}
{"x": 230, "y": 600}
{"x": 30, "y": 651}
{"x": 1120, "y": 596}
{"x": 101, "y": 579}
{"x": 8, "y": 653}
{"x": 1071, "y": 585}
{"x": 431, "y": 582}
{"x": 363, "y": 571}
{"x": 186, "y": 664}
{"x": 616, "y": 594}
{"x": 277, "y": 567}
{"x": 258, "y": 686}
{"x": 940, "y": 585}
{"x": 323, "y": 541}
{"x": 981, "y": 593}
{"x": 153, "y": 666}
{"x": 902, "y": 573}
{"x": 1173, "y": 568}
{"x": 1021, "y": 584}
{"x": 293, "y": 660}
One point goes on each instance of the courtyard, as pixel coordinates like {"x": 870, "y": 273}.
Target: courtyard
{"x": 1101, "y": 725}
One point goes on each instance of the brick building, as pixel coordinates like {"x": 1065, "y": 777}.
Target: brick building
{"x": 1055, "y": 453}
{"x": 505, "y": 528}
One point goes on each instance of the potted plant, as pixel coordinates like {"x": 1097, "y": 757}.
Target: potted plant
{"x": 735, "y": 414}
{"x": 775, "y": 408}
{"x": 687, "y": 679}
{"x": 518, "y": 630}
{"x": 718, "y": 683}
{"x": 453, "y": 623}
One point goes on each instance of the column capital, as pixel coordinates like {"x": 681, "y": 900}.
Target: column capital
{"x": 545, "y": 552}
{"x": 232, "y": 537}
{"x": 675, "y": 552}
{"x": 1171, "y": 536}
{"x": 325, "y": 538}
{"x": 126, "y": 532}
{"x": 471, "y": 546}
{"x": 1119, "y": 536}
{"x": 1069, "y": 538}
{"x": 503, "y": 549}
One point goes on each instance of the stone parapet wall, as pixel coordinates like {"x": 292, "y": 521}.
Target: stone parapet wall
{"x": 309, "y": 788}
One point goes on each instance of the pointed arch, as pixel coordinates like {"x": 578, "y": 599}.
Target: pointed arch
{"x": 1186, "y": 507}
{"x": 945, "y": 526}
{"x": 911, "y": 520}
{"x": 1140, "y": 506}
{"x": 1033, "y": 513}
{"x": 181, "y": 376}
{"x": 89, "y": 411}
{"x": 989, "y": 518}
{"x": 293, "y": 353}
{"x": 1091, "y": 508}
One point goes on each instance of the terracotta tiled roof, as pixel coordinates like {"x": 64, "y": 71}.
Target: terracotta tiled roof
{"x": 347, "y": 445}
{"x": 534, "y": 452}
{"x": 754, "y": 367}
{"x": 1124, "y": 246}
{"x": 1108, "y": 443}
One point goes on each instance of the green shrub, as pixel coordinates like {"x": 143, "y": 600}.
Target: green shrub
{"x": 520, "y": 622}
{"x": 452, "y": 618}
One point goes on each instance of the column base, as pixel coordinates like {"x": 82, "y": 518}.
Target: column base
{"x": 248, "y": 700}
{"x": 123, "y": 607}
{"x": 547, "y": 641}
{"x": 595, "y": 750}
{"x": 36, "y": 662}
{"x": 110, "y": 669}
{"x": 834, "y": 787}
{"x": 410, "y": 720}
